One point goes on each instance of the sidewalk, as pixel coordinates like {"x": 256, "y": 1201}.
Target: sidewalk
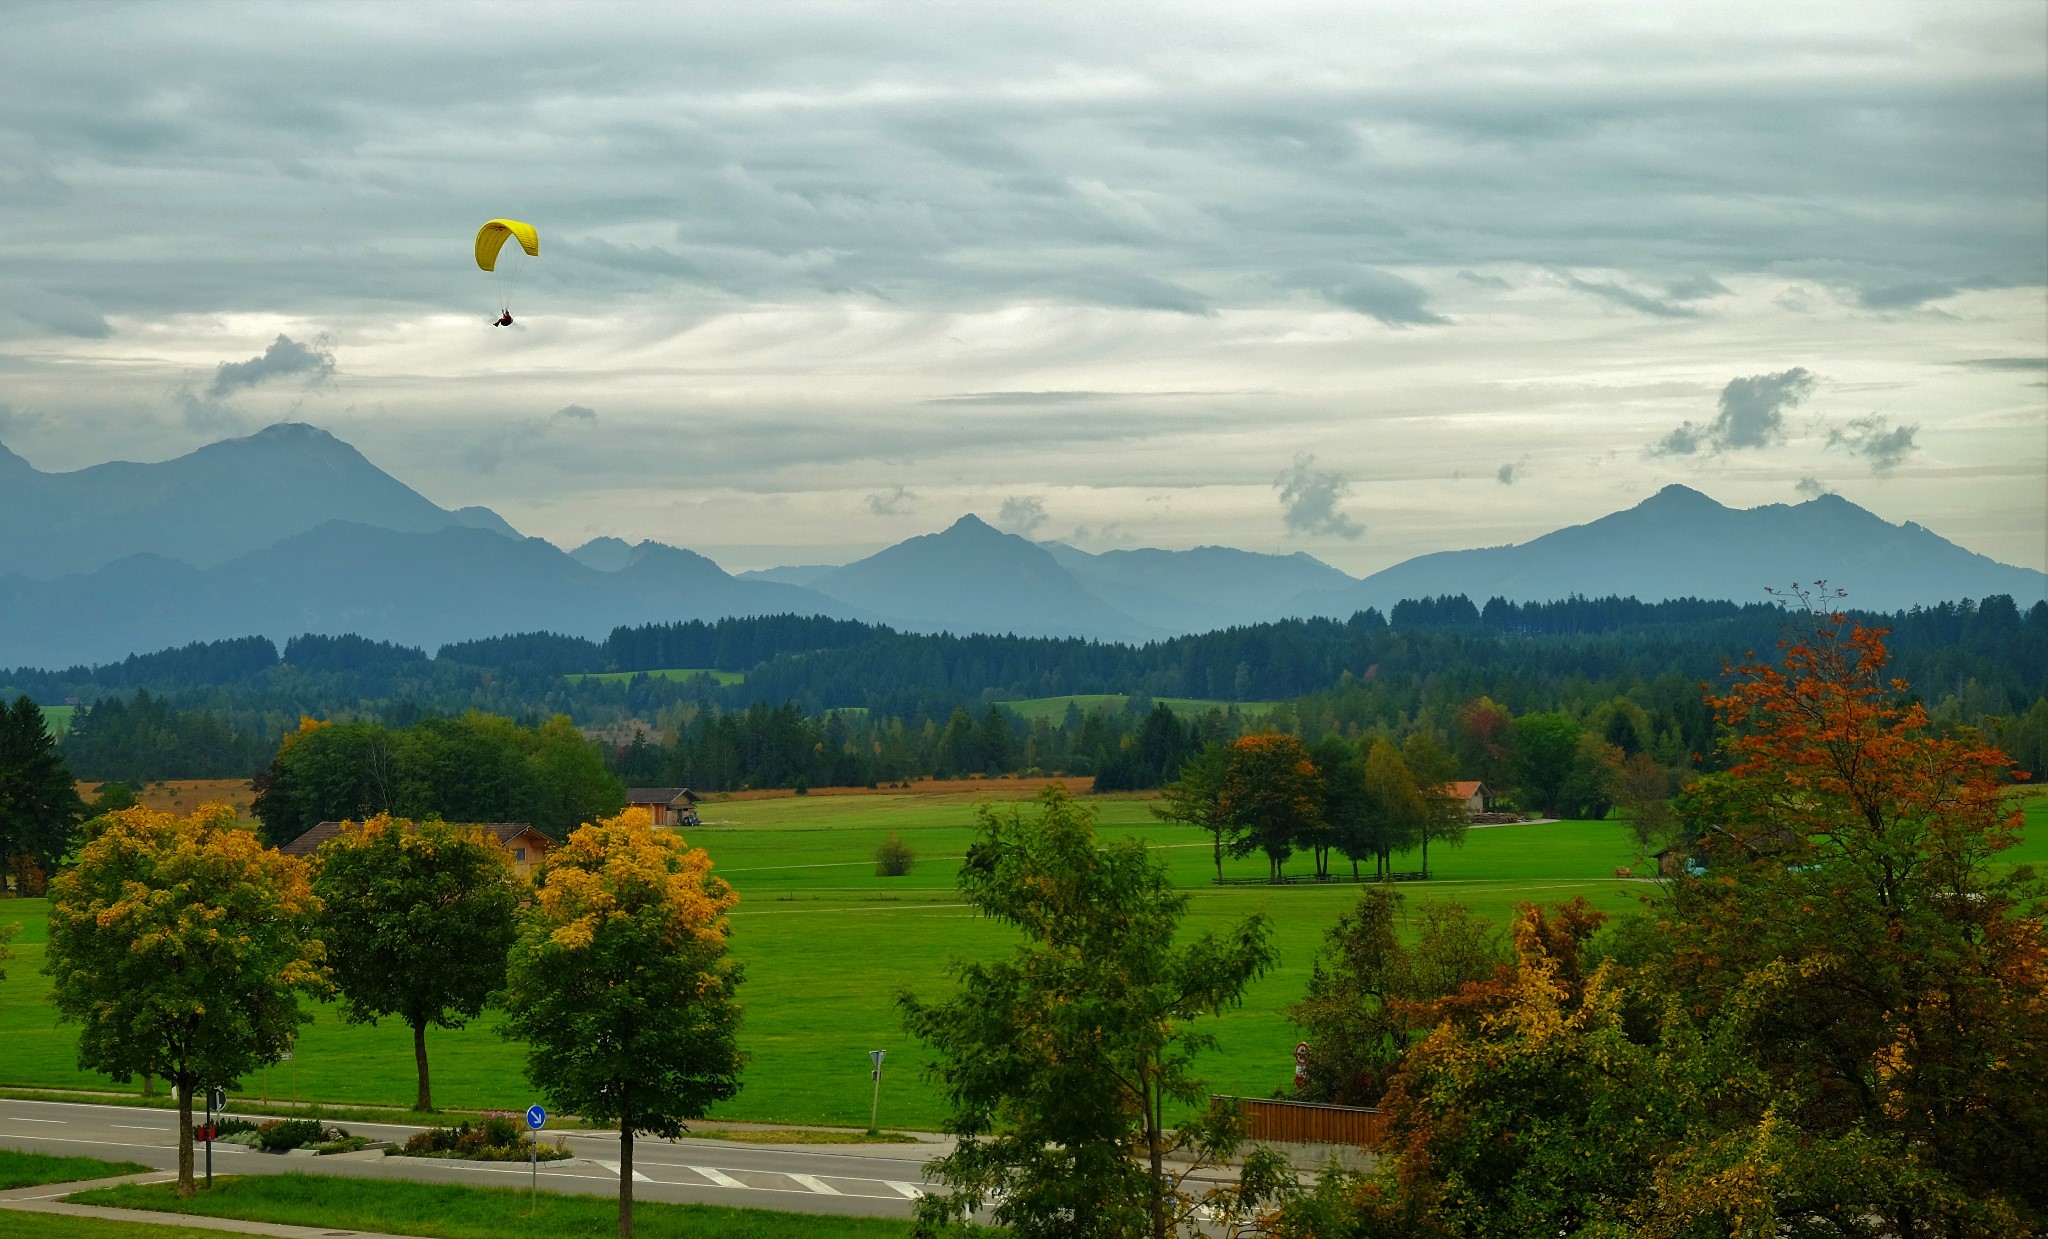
{"x": 43, "y": 1198}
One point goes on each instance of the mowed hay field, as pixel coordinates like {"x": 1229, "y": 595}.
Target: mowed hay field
{"x": 827, "y": 945}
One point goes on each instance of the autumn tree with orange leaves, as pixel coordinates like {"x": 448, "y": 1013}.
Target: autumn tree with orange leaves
{"x": 1272, "y": 799}
{"x": 180, "y": 945}
{"x": 1840, "y": 1030}
{"x": 622, "y": 987}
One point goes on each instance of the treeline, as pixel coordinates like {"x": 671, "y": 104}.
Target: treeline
{"x": 1978, "y": 664}
{"x": 476, "y": 768}
{"x": 144, "y": 739}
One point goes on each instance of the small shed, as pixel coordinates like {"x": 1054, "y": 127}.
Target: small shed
{"x": 1476, "y": 796}
{"x": 670, "y": 806}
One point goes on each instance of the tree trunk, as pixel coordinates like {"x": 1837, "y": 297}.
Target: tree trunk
{"x": 625, "y": 1178}
{"x": 184, "y": 1085}
{"x": 1354, "y": 869}
{"x": 1155, "y": 1139}
{"x": 1219, "y": 855}
{"x": 148, "y": 1084}
{"x": 419, "y": 1057}
{"x": 1425, "y": 852}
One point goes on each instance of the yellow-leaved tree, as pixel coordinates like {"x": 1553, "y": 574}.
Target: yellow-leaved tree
{"x": 180, "y": 945}
{"x": 621, "y": 986}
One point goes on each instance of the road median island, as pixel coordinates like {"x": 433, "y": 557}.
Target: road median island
{"x": 443, "y": 1211}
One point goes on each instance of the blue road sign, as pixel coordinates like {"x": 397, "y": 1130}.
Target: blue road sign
{"x": 535, "y": 1117}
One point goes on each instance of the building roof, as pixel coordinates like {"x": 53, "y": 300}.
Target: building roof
{"x": 309, "y": 843}
{"x": 660, "y": 795}
{"x": 1468, "y": 788}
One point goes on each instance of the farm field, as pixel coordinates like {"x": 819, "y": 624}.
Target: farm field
{"x": 827, "y": 944}
{"x": 667, "y": 673}
{"x": 57, "y": 719}
{"x": 1055, "y": 708}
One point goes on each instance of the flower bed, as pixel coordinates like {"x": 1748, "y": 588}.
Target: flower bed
{"x": 498, "y": 1138}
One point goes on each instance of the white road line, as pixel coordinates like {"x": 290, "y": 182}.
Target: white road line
{"x": 817, "y": 1185}
{"x": 614, "y": 1168}
{"x": 719, "y": 1177}
{"x": 162, "y": 1131}
{"x": 19, "y": 1119}
{"x": 910, "y": 1190}
{"x": 112, "y": 1144}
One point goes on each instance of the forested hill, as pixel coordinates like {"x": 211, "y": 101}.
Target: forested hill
{"x": 1512, "y": 650}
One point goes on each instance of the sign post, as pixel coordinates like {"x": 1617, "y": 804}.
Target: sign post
{"x": 216, "y": 1101}
{"x": 875, "y": 1107}
{"x": 1300, "y": 1065}
{"x": 536, "y": 1118}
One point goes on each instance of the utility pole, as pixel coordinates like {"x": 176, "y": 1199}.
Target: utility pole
{"x": 875, "y": 1107}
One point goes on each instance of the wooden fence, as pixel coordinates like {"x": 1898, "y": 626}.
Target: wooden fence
{"x": 1301, "y": 1122}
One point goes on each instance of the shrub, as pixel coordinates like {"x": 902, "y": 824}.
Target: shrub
{"x": 893, "y": 858}
{"x": 232, "y": 1127}
{"x": 276, "y": 1137}
{"x": 497, "y": 1139}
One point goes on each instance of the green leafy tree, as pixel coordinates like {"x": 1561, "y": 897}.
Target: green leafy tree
{"x": 622, "y": 986}
{"x": 1361, "y": 1012}
{"x": 39, "y": 805}
{"x": 1434, "y": 769}
{"x": 1195, "y": 798}
{"x": 1060, "y": 1061}
{"x": 569, "y": 782}
{"x": 1347, "y": 806}
{"x": 1272, "y": 797}
{"x": 326, "y": 772}
{"x": 7, "y": 935}
{"x": 180, "y": 945}
{"x": 1546, "y": 755}
{"x": 417, "y": 920}
{"x": 1396, "y": 813}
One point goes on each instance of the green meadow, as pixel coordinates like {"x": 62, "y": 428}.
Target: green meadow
{"x": 827, "y": 945}
{"x": 666, "y": 673}
{"x": 57, "y": 719}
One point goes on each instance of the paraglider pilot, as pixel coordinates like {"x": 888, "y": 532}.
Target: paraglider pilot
{"x": 505, "y": 321}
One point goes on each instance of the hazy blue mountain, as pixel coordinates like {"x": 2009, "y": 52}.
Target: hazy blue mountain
{"x": 1680, "y": 543}
{"x": 794, "y": 574}
{"x": 205, "y": 507}
{"x": 1198, "y": 590}
{"x": 604, "y": 554}
{"x": 421, "y": 589}
{"x": 973, "y": 578}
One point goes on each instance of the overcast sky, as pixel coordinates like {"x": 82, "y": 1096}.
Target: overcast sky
{"x": 1360, "y": 280}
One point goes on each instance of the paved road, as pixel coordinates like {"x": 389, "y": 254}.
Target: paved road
{"x": 875, "y": 1180}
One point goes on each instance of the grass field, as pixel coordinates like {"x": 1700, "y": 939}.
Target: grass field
{"x": 827, "y": 944}
{"x": 34, "y": 1169}
{"x": 666, "y": 673}
{"x": 1055, "y": 708}
{"x": 450, "y": 1212}
{"x": 57, "y": 719}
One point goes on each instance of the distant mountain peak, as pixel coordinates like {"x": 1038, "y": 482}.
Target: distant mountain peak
{"x": 972, "y": 524}
{"x": 13, "y": 464}
{"x": 1680, "y": 496}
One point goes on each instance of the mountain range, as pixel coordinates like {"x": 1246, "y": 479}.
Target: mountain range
{"x": 291, "y": 530}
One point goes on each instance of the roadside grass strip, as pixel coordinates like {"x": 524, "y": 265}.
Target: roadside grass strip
{"x": 34, "y": 1169}
{"x": 449, "y": 1212}
{"x": 23, "y": 1224}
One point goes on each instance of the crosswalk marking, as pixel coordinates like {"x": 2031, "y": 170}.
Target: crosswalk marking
{"x": 817, "y": 1185}
{"x": 910, "y": 1190}
{"x": 719, "y": 1177}
{"x": 614, "y": 1168}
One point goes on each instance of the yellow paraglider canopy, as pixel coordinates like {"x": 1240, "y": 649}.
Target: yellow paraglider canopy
{"x": 491, "y": 238}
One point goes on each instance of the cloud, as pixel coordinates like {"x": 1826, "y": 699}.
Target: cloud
{"x": 1630, "y": 299}
{"x": 1483, "y": 281}
{"x": 2023, "y": 365}
{"x": 1752, "y": 415}
{"x": 895, "y": 501}
{"x": 284, "y": 358}
{"x": 1021, "y": 515}
{"x": 1876, "y": 440}
{"x": 1811, "y": 487}
{"x": 1386, "y": 297}
{"x": 1511, "y": 473}
{"x": 1309, "y": 499}
{"x": 576, "y": 413}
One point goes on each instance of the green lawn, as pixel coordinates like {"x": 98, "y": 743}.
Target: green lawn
{"x": 57, "y": 719}
{"x": 666, "y": 673}
{"x": 32, "y": 1169}
{"x": 1055, "y": 708}
{"x": 827, "y": 944}
{"x": 449, "y": 1212}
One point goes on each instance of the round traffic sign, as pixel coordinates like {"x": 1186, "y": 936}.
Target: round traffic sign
{"x": 535, "y": 1117}
{"x": 1301, "y": 1052}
